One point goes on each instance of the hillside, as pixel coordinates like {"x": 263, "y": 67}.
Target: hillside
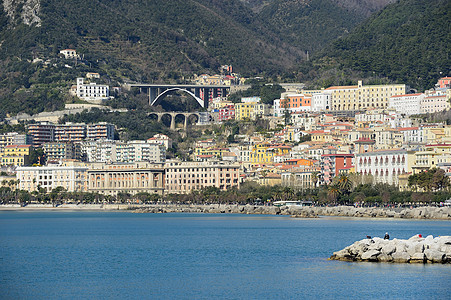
{"x": 408, "y": 41}
{"x": 313, "y": 24}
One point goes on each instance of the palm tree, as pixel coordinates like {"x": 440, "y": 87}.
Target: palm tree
{"x": 315, "y": 178}
{"x": 344, "y": 184}
{"x": 333, "y": 192}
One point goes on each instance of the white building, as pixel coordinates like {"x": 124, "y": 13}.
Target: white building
{"x": 99, "y": 151}
{"x": 385, "y": 166}
{"x": 70, "y": 53}
{"x": 321, "y": 101}
{"x": 71, "y": 178}
{"x": 143, "y": 151}
{"x": 409, "y": 104}
{"x": 92, "y": 91}
{"x": 162, "y": 140}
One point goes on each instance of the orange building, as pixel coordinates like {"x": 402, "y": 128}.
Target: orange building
{"x": 298, "y": 102}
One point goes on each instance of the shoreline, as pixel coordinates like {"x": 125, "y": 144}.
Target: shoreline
{"x": 425, "y": 212}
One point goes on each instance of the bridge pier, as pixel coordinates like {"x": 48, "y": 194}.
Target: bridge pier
{"x": 172, "y": 121}
{"x": 186, "y": 122}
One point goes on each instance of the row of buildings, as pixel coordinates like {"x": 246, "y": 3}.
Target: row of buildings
{"x": 361, "y": 97}
{"x": 110, "y": 179}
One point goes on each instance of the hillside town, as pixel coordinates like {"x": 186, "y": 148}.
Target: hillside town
{"x": 370, "y": 133}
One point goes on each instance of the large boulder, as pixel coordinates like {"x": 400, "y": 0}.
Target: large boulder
{"x": 384, "y": 258}
{"x": 418, "y": 258}
{"x": 413, "y": 248}
{"x": 389, "y": 249}
{"x": 434, "y": 256}
{"x": 400, "y": 257}
{"x": 370, "y": 255}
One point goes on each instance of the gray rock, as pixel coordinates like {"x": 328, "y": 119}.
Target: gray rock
{"x": 384, "y": 258}
{"x": 434, "y": 256}
{"x": 401, "y": 257}
{"x": 370, "y": 255}
{"x": 418, "y": 258}
{"x": 388, "y": 249}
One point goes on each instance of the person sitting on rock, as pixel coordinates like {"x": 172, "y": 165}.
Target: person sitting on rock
{"x": 386, "y": 237}
{"x": 370, "y": 238}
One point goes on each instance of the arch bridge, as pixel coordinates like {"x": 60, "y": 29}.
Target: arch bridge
{"x": 173, "y": 115}
{"x": 202, "y": 93}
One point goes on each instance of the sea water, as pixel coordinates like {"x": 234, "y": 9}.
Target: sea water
{"x": 121, "y": 255}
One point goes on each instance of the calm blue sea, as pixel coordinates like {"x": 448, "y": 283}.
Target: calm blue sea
{"x": 120, "y": 255}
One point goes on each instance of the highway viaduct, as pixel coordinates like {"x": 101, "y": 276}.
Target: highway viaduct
{"x": 202, "y": 93}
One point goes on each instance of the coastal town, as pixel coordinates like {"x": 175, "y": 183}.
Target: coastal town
{"x": 367, "y": 134}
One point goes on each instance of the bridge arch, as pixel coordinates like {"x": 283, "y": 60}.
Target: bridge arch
{"x": 163, "y": 94}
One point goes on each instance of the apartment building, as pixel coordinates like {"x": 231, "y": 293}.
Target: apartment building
{"x": 42, "y": 133}
{"x": 14, "y": 138}
{"x": 435, "y": 103}
{"x": 333, "y": 164}
{"x": 70, "y": 132}
{"x": 293, "y": 103}
{"x": 184, "y": 177}
{"x": 431, "y": 156}
{"x": 100, "y": 131}
{"x": 73, "y": 178}
{"x": 59, "y": 151}
{"x": 409, "y": 104}
{"x": 15, "y": 155}
{"x": 250, "y": 110}
{"x": 265, "y": 153}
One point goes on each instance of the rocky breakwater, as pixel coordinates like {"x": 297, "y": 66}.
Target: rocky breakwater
{"x": 414, "y": 250}
{"x": 299, "y": 212}
{"x": 425, "y": 212}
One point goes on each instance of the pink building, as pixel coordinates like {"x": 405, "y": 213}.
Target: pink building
{"x": 444, "y": 82}
{"x": 434, "y": 104}
{"x": 226, "y": 113}
{"x": 332, "y": 164}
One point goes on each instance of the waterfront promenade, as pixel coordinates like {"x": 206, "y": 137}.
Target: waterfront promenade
{"x": 426, "y": 212}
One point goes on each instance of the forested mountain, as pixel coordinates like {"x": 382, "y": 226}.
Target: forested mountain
{"x": 312, "y": 24}
{"x": 409, "y": 42}
{"x": 164, "y": 41}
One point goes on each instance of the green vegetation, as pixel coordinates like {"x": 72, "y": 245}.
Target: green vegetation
{"x": 267, "y": 92}
{"x": 407, "y": 42}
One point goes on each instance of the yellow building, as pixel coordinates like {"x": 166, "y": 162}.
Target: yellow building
{"x": 323, "y": 136}
{"x": 430, "y": 157}
{"x": 213, "y": 151}
{"x": 250, "y": 110}
{"x": 358, "y": 97}
{"x": 270, "y": 179}
{"x": 15, "y": 155}
{"x": 265, "y": 153}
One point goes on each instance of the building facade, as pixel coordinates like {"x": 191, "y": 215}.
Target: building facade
{"x": 184, "y": 177}
{"x": 91, "y": 91}
{"x": 71, "y": 178}
{"x": 333, "y": 164}
{"x": 359, "y": 97}
{"x": 112, "y": 179}
{"x": 385, "y": 166}
{"x": 409, "y": 104}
